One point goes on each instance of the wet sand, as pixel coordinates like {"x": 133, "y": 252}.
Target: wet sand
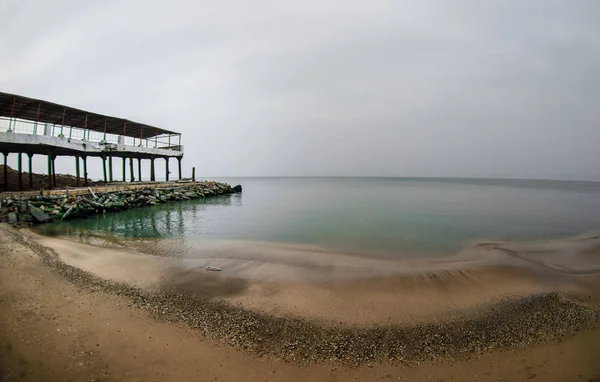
{"x": 333, "y": 288}
{"x": 104, "y": 335}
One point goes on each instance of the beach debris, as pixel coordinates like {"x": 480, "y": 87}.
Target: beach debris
{"x": 45, "y": 208}
{"x": 212, "y": 268}
{"x": 38, "y": 213}
{"x": 92, "y": 192}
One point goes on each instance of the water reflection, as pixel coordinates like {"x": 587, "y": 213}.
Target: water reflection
{"x": 390, "y": 216}
{"x": 169, "y": 220}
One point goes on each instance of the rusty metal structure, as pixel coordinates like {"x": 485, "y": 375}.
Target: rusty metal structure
{"x": 37, "y": 127}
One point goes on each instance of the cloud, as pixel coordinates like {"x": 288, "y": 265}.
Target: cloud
{"x": 385, "y": 88}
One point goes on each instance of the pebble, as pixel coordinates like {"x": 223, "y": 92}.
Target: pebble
{"x": 512, "y": 324}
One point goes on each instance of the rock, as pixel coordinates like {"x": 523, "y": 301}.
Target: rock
{"x": 38, "y": 214}
{"x": 12, "y": 218}
{"x": 214, "y": 269}
{"x": 44, "y": 208}
{"x": 237, "y": 188}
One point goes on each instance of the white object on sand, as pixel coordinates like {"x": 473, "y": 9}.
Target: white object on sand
{"x": 211, "y": 268}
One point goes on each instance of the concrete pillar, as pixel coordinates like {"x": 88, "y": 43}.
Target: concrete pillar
{"x": 20, "y": 170}
{"x": 179, "y": 166}
{"x": 131, "y": 176}
{"x": 54, "y": 170}
{"x": 85, "y": 175}
{"x": 124, "y": 172}
{"x": 49, "y": 171}
{"x": 167, "y": 168}
{"x": 139, "y": 169}
{"x": 77, "y": 170}
{"x": 104, "y": 169}
{"x": 5, "y": 171}
{"x": 110, "y": 172}
{"x": 30, "y": 170}
{"x": 152, "y": 177}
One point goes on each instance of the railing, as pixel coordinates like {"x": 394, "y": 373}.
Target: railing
{"x": 20, "y": 126}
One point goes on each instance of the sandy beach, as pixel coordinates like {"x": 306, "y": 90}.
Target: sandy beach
{"x": 495, "y": 311}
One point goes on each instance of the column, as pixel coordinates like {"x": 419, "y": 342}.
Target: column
{"x": 85, "y": 174}
{"x": 5, "y": 171}
{"x": 20, "y": 170}
{"x": 30, "y": 170}
{"x": 77, "y": 170}
{"x": 110, "y": 172}
{"x": 152, "y": 178}
{"x": 104, "y": 168}
{"x": 179, "y": 166}
{"x": 167, "y": 168}
{"x": 54, "y": 170}
{"x": 131, "y": 170}
{"x": 124, "y": 172}
{"x": 49, "y": 171}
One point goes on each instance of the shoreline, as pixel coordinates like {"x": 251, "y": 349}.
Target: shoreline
{"x": 499, "y": 322}
{"x": 333, "y": 288}
{"x": 145, "y": 330}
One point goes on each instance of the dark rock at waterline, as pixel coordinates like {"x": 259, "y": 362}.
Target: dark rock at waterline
{"x": 237, "y": 188}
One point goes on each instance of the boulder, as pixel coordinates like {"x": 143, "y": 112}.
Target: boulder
{"x": 237, "y": 188}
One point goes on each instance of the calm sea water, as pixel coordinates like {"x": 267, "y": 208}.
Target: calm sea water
{"x": 373, "y": 216}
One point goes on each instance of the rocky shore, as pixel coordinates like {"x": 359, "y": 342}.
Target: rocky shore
{"x": 45, "y": 208}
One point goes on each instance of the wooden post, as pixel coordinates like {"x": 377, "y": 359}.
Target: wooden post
{"x": 167, "y": 168}
{"x": 49, "y": 171}
{"x": 5, "y": 171}
{"x": 131, "y": 170}
{"x": 110, "y": 172}
{"x": 179, "y": 166}
{"x": 104, "y": 168}
{"x": 20, "y": 170}
{"x": 139, "y": 169}
{"x": 152, "y": 178}
{"x": 124, "y": 170}
{"x": 193, "y": 174}
{"x": 30, "y": 170}
{"x": 85, "y": 175}
{"x": 77, "y": 170}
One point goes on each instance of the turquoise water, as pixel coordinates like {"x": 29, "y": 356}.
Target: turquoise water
{"x": 374, "y": 216}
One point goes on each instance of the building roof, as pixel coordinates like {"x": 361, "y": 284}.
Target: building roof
{"x": 16, "y": 106}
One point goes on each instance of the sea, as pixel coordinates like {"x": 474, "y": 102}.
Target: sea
{"x": 378, "y": 217}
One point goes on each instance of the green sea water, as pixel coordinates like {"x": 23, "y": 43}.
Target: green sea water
{"x": 387, "y": 217}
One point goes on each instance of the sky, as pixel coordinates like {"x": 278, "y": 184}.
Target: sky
{"x": 447, "y": 88}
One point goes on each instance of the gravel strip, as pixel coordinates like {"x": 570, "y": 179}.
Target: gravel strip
{"x": 509, "y": 325}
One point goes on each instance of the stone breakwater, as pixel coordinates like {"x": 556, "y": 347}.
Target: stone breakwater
{"x": 45, "y": 208}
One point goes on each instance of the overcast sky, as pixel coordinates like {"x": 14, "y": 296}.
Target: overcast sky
{"x": 507, "y": 88}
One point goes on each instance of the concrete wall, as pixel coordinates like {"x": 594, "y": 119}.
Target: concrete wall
{"x": 95, "y": 189}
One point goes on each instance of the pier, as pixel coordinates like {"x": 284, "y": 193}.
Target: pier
{"x": 31, "y": 127}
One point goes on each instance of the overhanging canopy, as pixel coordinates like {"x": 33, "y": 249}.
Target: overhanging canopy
{"x": 15, "y": 106}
